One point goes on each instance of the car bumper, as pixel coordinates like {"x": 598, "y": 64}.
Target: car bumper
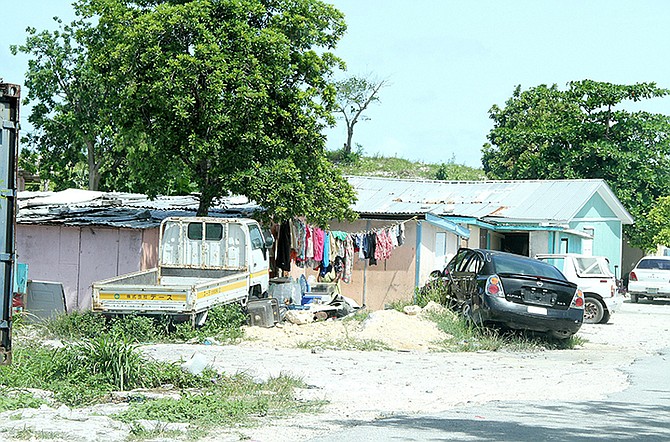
{"x": 646, "y": 288}
{"x": 535, "y": 318}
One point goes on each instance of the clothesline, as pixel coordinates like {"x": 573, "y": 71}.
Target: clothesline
{"x": 308, "y": 246}
{"x": 376, "y": 229}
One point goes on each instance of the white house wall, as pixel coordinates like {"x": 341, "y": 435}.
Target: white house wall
{"x": 538, "y": 242}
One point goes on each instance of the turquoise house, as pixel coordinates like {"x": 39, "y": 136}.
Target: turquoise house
{"x": 527, "y": 217}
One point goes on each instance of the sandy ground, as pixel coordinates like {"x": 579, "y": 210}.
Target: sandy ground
{"x": 365, "y": 385}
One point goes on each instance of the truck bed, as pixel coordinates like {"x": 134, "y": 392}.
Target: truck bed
{"x": 142, "y": 292}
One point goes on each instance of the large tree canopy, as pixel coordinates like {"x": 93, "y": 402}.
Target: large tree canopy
{"x": 583, "y": 132}
{"x": 235, "y": 92}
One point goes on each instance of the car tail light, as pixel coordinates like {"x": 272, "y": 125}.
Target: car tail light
{"x": 632, "y": 276}
{"x": 578, "y": 300}
{"x": 494, "y": 287}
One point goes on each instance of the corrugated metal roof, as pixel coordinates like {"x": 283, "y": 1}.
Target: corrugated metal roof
{"x": 494, "y": 201}
{"x": 491, "y": 201}
{"x": 75, "y": 207}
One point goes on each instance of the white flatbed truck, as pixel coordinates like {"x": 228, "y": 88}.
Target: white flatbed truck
{"x": 203, "y": 262}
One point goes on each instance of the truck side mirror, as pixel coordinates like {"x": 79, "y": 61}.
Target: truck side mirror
{"x": 269, "y": 240}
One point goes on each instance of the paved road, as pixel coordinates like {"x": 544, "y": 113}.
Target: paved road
{"x": 640, "y": 412}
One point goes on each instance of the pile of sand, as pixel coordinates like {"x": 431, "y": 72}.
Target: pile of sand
{"x": 398, "y": 331}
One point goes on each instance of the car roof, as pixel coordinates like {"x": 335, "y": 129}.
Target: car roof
{"x": 667, "y": 258}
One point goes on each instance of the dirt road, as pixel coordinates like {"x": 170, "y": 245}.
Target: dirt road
{"x": 363, "y": 386}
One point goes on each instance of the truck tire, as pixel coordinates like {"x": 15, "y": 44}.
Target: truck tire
{"x": 633, "y": 298}
{"x": 594, "y": 310}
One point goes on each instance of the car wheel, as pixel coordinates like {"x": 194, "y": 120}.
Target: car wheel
{"x": 606, "y": 317}
{"x": 593, "y": 310}
{"x": 633, "y": 298}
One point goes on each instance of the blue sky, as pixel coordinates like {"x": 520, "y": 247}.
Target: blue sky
{"x": 447, "y": 62}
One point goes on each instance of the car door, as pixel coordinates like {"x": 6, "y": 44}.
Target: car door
{"x": 463, "y": 275}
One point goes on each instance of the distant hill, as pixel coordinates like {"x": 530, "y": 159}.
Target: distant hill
{"x": 393, "y": 167}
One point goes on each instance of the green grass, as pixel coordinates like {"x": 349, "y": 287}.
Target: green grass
{"x": 394, "y": 167}
{"x": 229, "y": 401}
{"x": 345, "y": 344}
{"x": 11, "y": 399}
{"x": 224, "y": 323}
{"x": 465, "y": 337}
{"x": 32, "y": 434}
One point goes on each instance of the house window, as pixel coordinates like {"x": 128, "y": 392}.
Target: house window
{"x": 564, "y": 245}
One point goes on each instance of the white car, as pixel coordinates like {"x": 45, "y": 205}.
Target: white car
{"x": 650, "y": 278}
{"x": 593, "y": 276}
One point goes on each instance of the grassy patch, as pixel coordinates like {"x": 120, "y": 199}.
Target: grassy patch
{"x": 463, "y": 336}
{"x": 345, "y": 344}
{"x": 16, "y": 399}
{"x": 230, "y": 400}
{"x": 224, "y": 323}
{"x": 32, "y": 434}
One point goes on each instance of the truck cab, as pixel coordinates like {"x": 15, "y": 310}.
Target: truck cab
{"x": 214, "y": 247}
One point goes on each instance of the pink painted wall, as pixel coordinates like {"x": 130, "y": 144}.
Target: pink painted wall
{"x": 79, "y": 256}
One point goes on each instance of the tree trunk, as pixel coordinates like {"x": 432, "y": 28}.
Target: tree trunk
{"x": 203, "y": 207}
{"x": 93, "y": 167}
{"x": 350, "y": 135}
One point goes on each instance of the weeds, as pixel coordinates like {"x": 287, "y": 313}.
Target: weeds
{"x": 464, "y": 336}
{"x": 346, "y": 344}
{"x": 230, "y": 400}
{"x": 15, "y": 400}
{"x": 223, "y": 323}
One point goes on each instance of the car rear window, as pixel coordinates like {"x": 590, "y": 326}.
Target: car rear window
{"x": 655, "y": 264}
{"x": 525, "y": 266}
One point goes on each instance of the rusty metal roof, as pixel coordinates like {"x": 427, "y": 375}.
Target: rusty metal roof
{"x": 77, "y": 207}
{"x": 493, "y": 201}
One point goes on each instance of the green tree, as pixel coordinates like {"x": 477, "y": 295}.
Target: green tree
{"x": 235, "y": 92}
{"x": 659, "y": 221}
{"x": 71, "y": 137}
{"x": 582, "y": 132}
{"x": 354, "y": 95}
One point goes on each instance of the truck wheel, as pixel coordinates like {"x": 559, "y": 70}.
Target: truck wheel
{"x": 633, "y": 298}
{"x": 606, "y": 317}
{"x": 593, "y": 310}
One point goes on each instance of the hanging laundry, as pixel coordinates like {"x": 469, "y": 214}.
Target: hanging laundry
{"x": 283, "y": 259}
{"x": 326, "y": 249}
{"x": 401, "y": 234}
{"x": 309, "y": 243}
{"x": 318, "y": 236}
{"x": 348, "y": 258}
{"x": 372, "y": 244}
